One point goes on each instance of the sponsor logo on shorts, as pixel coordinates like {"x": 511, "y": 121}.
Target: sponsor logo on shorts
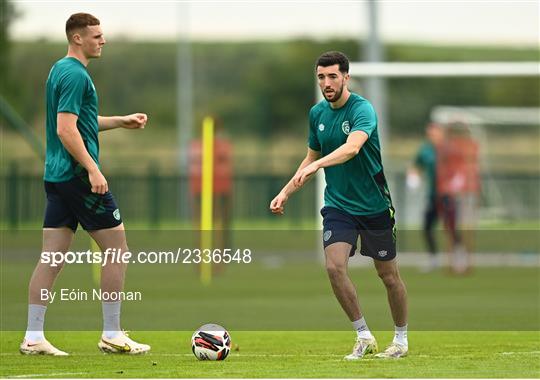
{"x": 327, "y": 235}
{"x": 345, "y": 127}
{"x": 321, "y": 127}
{"x": 382, "y": 253}
{"x": 116, "y": 214}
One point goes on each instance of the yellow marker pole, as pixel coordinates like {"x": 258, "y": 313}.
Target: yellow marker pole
{"x": 207, "y": 194}
{"x": 96, "y": 267}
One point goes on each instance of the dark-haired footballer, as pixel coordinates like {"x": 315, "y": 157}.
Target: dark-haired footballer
{"x": 343, "y": 140}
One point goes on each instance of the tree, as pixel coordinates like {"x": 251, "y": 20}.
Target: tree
{"x": 8, "y": 13}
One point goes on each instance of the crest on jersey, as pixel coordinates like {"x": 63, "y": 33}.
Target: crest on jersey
{"x": 345, "y": 127}
{"x": 321, "y": 127}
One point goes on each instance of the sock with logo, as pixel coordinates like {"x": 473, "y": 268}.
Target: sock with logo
{"x": 36, "y": 320}
{"x": 361, "y": 328}
{"x": 400, "y": 336}
{"x": 111, "y": 319}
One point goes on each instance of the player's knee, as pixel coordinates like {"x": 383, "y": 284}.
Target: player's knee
{"x": 389, "y": 278}
{"x": 54, "y": 267}
{"x": 57, "y": 269}
{"x": 335, "y": 270}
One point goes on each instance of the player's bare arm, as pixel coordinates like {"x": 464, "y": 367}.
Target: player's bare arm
{"x": 133, "y": 121}
{"x": 278, "y": 203}
{"x": 344, "y": 153}
{"x": 71, "y": 139}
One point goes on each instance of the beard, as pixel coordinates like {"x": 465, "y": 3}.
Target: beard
{"x": 335, "y": 96}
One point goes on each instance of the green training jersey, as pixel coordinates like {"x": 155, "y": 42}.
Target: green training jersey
{"x": 70, "y": 89}
{"x": 357, "y": 186}
{"x": 426, "y": 159}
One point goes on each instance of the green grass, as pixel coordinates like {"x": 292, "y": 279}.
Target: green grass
{"x": 286, "y": 238}
{"x": 281, "y": 312}
{"x": 288, "y": 295}
{"x": 286, "y": 355}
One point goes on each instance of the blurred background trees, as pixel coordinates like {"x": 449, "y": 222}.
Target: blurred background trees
{"x": 256, "y": 88}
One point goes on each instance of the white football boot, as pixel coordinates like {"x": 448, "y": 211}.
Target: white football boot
{"x": 122, "y": 344}
{"x": 362, "y": 347}
{"x": 40, "y": 348}
{"x": 394, "y": 351}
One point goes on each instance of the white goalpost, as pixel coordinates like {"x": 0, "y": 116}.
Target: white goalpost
{"x": 443, "y": 69}
{"x": 361, "y": 70}
{"x": 483, "y": 120}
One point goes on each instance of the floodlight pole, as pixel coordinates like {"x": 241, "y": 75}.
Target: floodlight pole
{"x": 184, "y": 106}
{"x": 184, "y": 85}
{"x": 375, "y": 90}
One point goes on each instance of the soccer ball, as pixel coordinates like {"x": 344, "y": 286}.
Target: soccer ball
{"x": 211, "y": 342}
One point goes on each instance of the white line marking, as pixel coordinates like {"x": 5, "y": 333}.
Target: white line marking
{"x": 263, "y": 355}
{"x": 46, "y": 374}
{"x": 248, "y": 355}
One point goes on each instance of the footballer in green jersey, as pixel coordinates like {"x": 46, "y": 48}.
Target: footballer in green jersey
{"x": 77, "y": 192}
{"x": 343, "y": 140}
{"x": 425, "y": 161}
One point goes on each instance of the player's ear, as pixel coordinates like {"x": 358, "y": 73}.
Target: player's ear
{"x": 76, "y": 39}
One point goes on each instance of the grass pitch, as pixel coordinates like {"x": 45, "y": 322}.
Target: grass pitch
{"x": 285, "y": 355}
{"x": 265, "y": 305}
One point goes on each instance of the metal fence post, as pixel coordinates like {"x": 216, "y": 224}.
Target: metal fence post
{"x": 13, "y": 195}
{"x": 154, "y": 195}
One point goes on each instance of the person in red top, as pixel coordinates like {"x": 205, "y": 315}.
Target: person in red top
{"x": 458, "y": 186}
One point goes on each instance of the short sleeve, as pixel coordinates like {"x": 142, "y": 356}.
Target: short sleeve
{"x": 364, "y": 119}
{"x": 71, "y": 92}
{"x": 419, "y": 159}
{"x": 313, "y": 141}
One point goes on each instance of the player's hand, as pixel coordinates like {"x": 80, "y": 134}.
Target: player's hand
{"x": 277, "y": 206}
{"x": 412, "y": 180}
{"x": 134, "y": 121}
{"x": 303, "y": 175}
{"x": 98, "y": 182}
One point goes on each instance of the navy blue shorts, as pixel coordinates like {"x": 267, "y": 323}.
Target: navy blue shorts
{"x": 377, "y": 232}
{"x": 72, "y": 202}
